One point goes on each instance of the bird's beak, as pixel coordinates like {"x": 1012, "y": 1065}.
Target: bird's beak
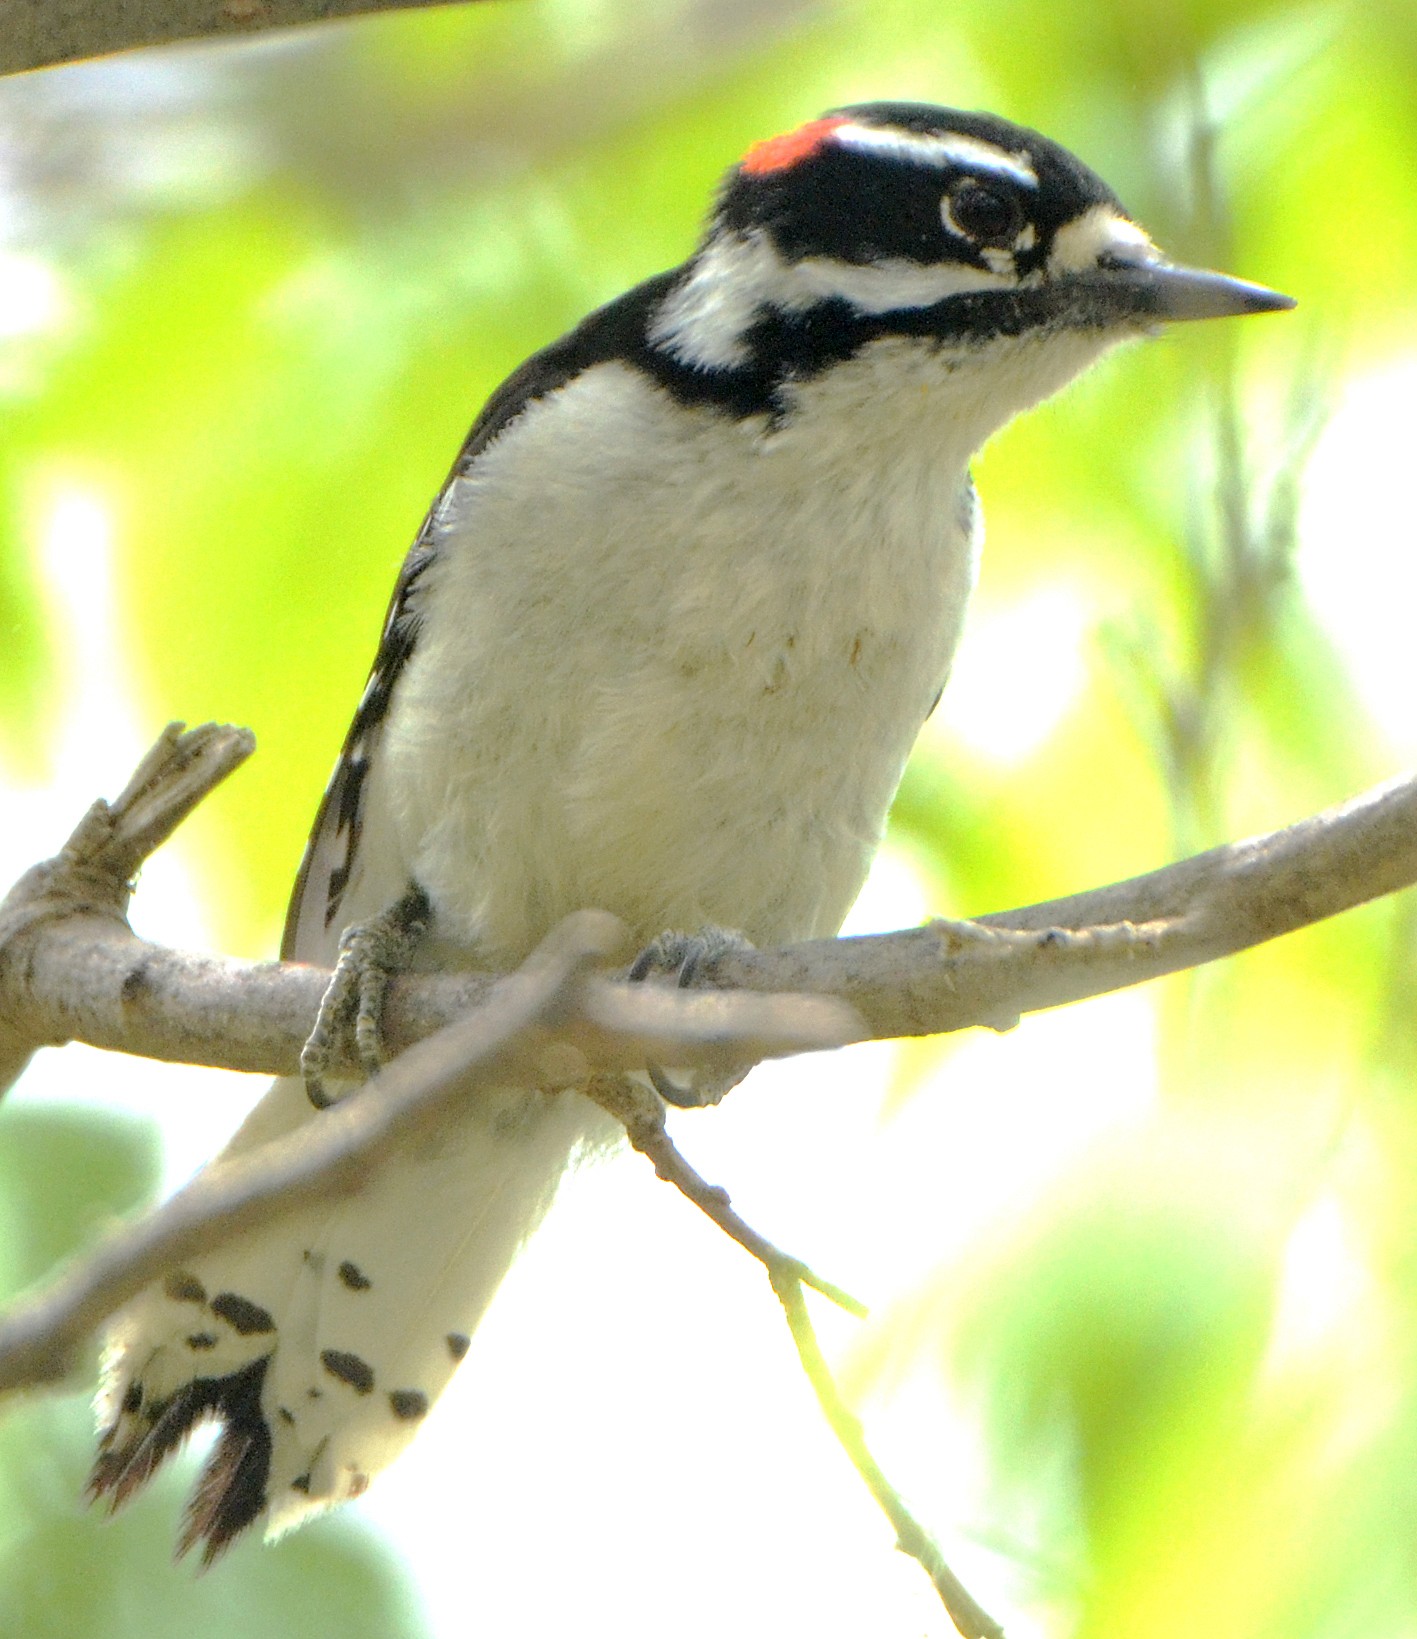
{"x": 1162, "y": 290}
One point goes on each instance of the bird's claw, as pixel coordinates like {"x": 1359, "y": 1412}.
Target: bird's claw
{"x": 686, "y": 956}
{"x": 370, "y": 953}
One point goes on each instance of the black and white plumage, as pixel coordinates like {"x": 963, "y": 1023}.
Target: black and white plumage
{"x": 662, "y": 646}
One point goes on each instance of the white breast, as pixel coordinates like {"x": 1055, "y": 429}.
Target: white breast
{"x": 673, "y": 663}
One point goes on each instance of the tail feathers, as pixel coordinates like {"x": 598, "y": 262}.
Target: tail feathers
{"x": 231, "y": 1491}
{"x": 321, "y": 1341}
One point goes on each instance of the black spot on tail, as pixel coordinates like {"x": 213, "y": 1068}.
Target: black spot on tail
{"x": 458, "y": 1344}
{"x": 241, "y": 1314}
{"x": 354, "y": 1277}
{"x": 349, "y": 1368}
{"x": 408, "y": 1404}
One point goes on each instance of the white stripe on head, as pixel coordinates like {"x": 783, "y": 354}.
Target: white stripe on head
{"x": 882, "y": 287}
{"x": 736, "y": 276}
{"x": 1100, "y": 231}
{"x": 968, "y": 153}
{"x": 703, "y": 320}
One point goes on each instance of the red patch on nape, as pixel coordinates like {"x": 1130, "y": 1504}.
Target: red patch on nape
{"x": 781, "y": 153}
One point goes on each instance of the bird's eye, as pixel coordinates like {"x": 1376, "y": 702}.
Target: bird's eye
{"x": 989, "y": 216}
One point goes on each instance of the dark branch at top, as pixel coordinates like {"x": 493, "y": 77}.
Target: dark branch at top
{"x": 40, "y": 33}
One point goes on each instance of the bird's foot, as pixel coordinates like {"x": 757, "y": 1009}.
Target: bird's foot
{"x": 688, "y": 957}
{"x": 370, "y": 954}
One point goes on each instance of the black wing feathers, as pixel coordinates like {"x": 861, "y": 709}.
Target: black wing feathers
{"x": 339, "y": 819}
{"x": 614, "y": 331}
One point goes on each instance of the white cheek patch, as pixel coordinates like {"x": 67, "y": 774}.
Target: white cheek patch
{"x": 944, "y": 153}
{"x": 881, "y": 287}
{"x": 1100, "y": 231}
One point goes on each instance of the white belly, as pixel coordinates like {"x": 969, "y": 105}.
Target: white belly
{"x": 681, "y": 725}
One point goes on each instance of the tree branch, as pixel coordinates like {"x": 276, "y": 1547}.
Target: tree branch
{"x": 39, "y": 33}
{"x": 71, "y": 969}
{"x": 519, "y": 1036}
{"x": 948, "y": 975}
{"x": 524, "y": 1034}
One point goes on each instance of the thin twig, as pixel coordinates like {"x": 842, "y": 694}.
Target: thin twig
{"x": 1239, "y": 547}
{"x": 90, "y": 879}
{"x": 523, "y": 1035}
{"x": 643, "y": 1116}
{"x": 971, "y": 1619}
{"x": 92, "y": 874}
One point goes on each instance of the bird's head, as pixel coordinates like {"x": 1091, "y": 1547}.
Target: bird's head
{"x": 904, "y": 219}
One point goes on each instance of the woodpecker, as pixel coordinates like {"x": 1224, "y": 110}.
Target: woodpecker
{"x": 661, "y": 646}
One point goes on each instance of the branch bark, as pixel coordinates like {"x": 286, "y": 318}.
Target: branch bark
{"x": 40, "y": 33}
{"x": 71, "y": 969}
{"x": 40, "y": 1338}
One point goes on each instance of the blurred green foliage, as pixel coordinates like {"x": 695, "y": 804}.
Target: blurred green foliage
{"x": 284, "y": 309}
